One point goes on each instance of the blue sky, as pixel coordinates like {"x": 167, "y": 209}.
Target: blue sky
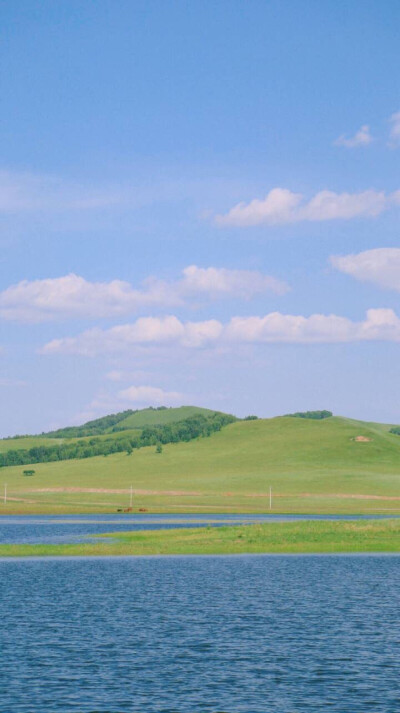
{"x": 199, "y": 203}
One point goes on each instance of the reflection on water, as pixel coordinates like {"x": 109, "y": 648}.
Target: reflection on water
{"x": 259, "y": 634}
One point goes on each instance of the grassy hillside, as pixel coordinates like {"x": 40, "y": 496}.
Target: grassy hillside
{"x": 312, "y": 466}
{"x": 26, "y": 442}
{"x": 129, "y": 419}
{"x": 160, "y": 417}
{"x": 186, "y": 429}
{"x": 115, "y": 426}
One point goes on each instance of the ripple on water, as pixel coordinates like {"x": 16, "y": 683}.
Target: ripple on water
{"x": 261, "y": 634}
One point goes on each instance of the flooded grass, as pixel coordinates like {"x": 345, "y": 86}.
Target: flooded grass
{"x": 278, "y": 537}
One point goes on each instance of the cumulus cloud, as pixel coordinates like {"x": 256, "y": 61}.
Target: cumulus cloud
{"x": 395, "y": 130}
{"x": 215, "y": 281}
{"x": 279, "y": 206}
{"x": 362, "y": 137}
{"x": 273, "y": 328}
{"x": 146, "y": 331}
{"x": 118, "y": 375}
{"x": 277, "y": 327}
{"x": 380, "y": 266}
{"x": 72, "y": 296}
{"x": 282, "y": 206}
{"x": 151, "y": 395}
{"x": 327, "y": 205}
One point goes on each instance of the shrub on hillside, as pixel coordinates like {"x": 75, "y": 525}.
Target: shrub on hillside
{"x": 315, "y": 415}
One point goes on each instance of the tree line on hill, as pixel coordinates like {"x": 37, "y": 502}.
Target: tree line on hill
{"x": 185, "y": 430}
{"x": 97, "y": 427}
{"x": 315, "y": 415}
{"x": 91, "y": 428}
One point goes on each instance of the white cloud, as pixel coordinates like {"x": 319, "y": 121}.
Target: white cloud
{"x": 146, "y": 331}
{"x": 74, "y": 297}
{"x": 395, "y": 130}
{"x": 150, "y": 395}
{"x": 277, "y": 327}
{"x": 380, "y": 324}
{"x": 273, "y": 328}
{"x": 380, "y": 266}
{"x": 279, "y": 206}
{"x": 282, "y": 206}
{"x": 214, "y": 281}
{"x": 118, "y": 375}
{"x": 361, "y": 138}
{"x": 327, "y": 205}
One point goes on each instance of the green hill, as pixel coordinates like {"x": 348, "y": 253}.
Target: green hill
{"x": 96, "y": 439}
{"x": 162, "y": 416}
{"x": 128, "y": 419}
{"x": 328, "y": 465}
{"x": 26, "y": 442}
{"x": 118, "y": 425}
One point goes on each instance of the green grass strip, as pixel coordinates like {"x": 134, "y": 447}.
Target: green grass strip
{"x": 278, "y": 538}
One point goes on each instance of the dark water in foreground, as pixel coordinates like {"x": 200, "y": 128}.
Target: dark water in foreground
{"x": 39, "y": 529}
{"x": 260, "y": 634}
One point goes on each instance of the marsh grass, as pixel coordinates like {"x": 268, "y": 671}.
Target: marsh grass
{"x": 278, "y": 538}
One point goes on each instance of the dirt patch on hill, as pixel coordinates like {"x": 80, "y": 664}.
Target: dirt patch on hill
{"x": 114, "y": 491}
{"x": 353, "y": 496}
{"x": 342, "y": 496}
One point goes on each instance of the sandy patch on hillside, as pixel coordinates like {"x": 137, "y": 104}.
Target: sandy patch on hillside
{"x": 114, "y": 491}
{"x": 21, "y": 500}
{"x": 188, "y": 493}
{"x": 355, "y": 496}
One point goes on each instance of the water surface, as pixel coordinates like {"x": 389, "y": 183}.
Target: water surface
{"x": 254, "y": 634}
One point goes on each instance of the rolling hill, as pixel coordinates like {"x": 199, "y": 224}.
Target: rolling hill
{"x": 125, "y": 420}
{"x": 119, "y": 425}
{"x": 162, "y": 416}
{"x": 331, "y": 465}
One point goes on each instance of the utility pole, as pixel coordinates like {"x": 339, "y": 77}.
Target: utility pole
{"x": 131, "y": 498}
{"x": 270, "y": 498}
{"x": 5, "y": 493}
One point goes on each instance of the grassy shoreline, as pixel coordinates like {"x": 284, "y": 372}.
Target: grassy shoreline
{"x": 305, "y": 537}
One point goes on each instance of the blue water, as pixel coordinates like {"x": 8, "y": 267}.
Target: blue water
{"x": 254, "y": 634}
{"x": 33, "y": 529}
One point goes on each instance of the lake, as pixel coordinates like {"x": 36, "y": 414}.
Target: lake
{"x": 56, "y": 529}
{"x": 253, "y": 634}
